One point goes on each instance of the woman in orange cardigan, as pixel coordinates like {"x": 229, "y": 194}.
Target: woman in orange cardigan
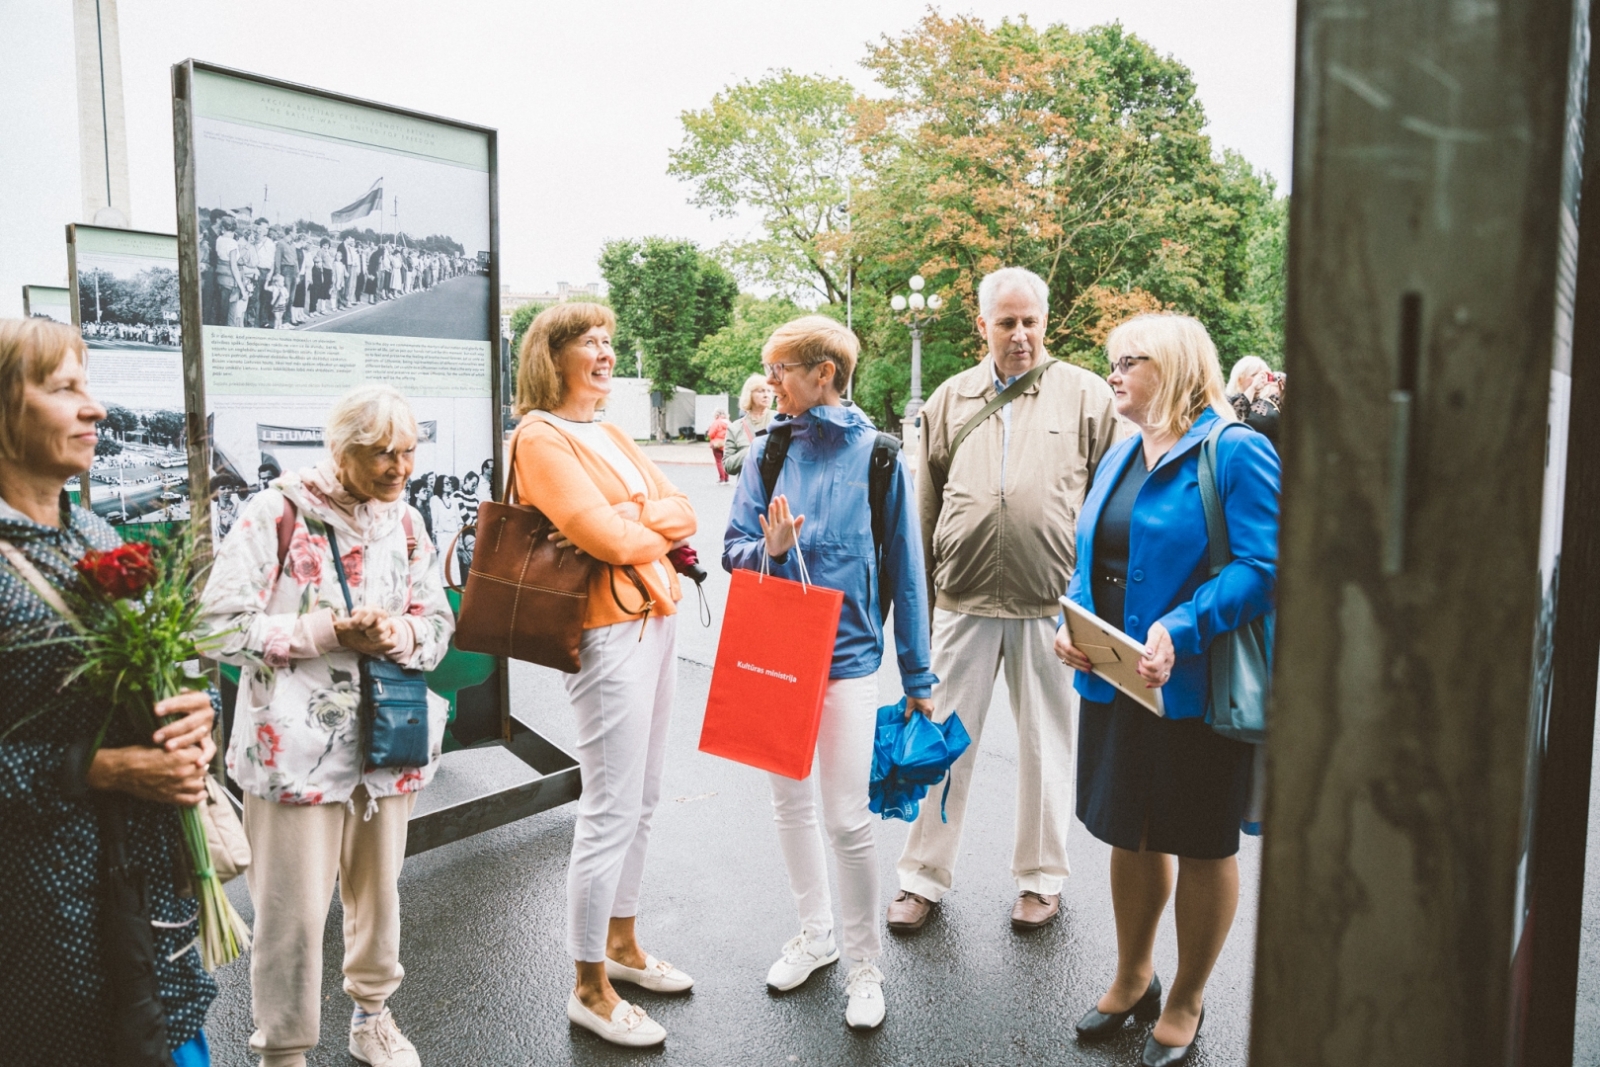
{"x": 610, "y": 502}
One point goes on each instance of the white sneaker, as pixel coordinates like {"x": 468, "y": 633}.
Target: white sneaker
{"x": 801, "y": 956}
{"x": 628, "y": 1025}
{"x": 865, "y": 989}
{"x": 658, "y": 976}
{"x": 378, "y": 1041}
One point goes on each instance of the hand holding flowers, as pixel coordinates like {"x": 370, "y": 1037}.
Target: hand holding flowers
{"x": 172, "y": 770}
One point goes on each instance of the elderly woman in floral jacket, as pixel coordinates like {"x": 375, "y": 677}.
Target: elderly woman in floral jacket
{"x": 313, "y": 811}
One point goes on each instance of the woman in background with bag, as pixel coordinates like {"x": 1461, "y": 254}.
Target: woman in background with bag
{"x": 69, "y": 993}
{"x": 820, "y": 503}
{"x": 606, "y": 499}
{"x": 317, "y": 805}
{"x": 1153, "y": 787}
{"x": 755, "y": 403}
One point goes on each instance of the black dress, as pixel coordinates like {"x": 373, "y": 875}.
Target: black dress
{"x": 1176, "y": 785}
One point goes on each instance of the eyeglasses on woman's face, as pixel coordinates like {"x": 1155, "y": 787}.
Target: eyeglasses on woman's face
{"x": 776, "y": 371}
{"x": 1125, "y": 364}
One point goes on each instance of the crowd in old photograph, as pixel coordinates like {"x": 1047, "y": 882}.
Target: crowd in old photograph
{"x": 255, "y": 273}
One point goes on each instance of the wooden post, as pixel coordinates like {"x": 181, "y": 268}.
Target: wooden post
{"x": 1422, "y": 320}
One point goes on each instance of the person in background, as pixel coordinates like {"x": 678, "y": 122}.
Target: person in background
{"x": 278, "y": 296}
{"x": 755, "y": 403}
{"x": 1250, "y": 376}
{"x": 998, "y": 515}
{"x": 1153, "y": 787}
{"x": 234, "y": 277}
{"x": 1264, "y": 413}
{"x": 263, "y": 253}
{"x": 822, "y": 490}
{"x": 64, "y": 986}
{"x": 717, "y": 434}
{"x": 286, "y": 264}
{"x": 314, "y": 812}
{"x": 610, "y": 502}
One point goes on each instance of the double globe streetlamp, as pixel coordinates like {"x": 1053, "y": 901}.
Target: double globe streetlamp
{"x": 916, "y": 311}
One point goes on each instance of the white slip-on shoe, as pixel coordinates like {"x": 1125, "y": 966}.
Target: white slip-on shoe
{"x": 865, "y": 989}
{"x": 628, "y": 1025}
{"x": 658, "y": 976}
{"x": 801, "y": 956}
{"x": 379, "y": 1042}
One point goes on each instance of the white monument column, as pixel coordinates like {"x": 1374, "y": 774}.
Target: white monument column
{"x": 102, "y": 129}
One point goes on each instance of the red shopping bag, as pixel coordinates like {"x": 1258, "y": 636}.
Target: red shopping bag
{"x": 771, "y": 673}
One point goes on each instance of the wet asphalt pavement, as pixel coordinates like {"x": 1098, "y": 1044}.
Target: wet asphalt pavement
{"x": 483, "y": 939}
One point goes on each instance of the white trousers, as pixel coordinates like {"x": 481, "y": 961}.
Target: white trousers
{"x": 296, "y": 853}
{"x": 968, "y": 652}
{"x": 622, "y": 698}
{"x": 842, "y": 769}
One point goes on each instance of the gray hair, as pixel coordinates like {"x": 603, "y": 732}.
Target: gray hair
{"x": 370, "y": 415}
{"x": 1009, "y": 279}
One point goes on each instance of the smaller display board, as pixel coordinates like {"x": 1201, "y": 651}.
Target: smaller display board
{"x": 124, "y": 299}
{"x": 47, "y": 302}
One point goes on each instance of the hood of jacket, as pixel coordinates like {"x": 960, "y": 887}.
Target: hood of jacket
{"x": 317, "y": 492}
{"x": 826, "y": 425}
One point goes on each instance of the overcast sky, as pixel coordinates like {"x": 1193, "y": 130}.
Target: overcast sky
{"x": 586, "y": 96}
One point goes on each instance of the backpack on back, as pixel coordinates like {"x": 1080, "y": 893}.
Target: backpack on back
{"x": 880, "y": 474}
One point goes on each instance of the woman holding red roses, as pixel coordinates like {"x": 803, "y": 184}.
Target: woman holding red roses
{"x": 313, "y": 812}
{"x": 68, "y": 993}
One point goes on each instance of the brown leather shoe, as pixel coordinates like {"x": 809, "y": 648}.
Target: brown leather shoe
{"x": 1033, "y": 910}
{"x": 908, "y": 912}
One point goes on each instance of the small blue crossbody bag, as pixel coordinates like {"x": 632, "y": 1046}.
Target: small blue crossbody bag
{"x": 394, "y": 700}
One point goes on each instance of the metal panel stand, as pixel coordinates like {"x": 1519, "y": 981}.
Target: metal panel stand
{"x": 449, "y": 809}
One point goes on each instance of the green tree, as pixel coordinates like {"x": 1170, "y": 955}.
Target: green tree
{"x": 119, "y": 420}
{"x": 779, "y": 148}
{"x": 107, "y": 446}
{"x": 165, "y": 427}
{"x": 668, "y": 296}
{"x": 729, "y": 356}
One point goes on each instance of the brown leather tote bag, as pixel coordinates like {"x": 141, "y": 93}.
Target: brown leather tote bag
{"x": 525, "y": 598}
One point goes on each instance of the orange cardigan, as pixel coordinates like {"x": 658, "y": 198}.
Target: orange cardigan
{"x": 575, "y": 488}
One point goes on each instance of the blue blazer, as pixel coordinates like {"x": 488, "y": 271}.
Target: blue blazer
{"x": 1169, "y": 564}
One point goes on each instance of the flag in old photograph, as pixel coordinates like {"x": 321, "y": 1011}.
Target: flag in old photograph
{"x": 372, "y": 201}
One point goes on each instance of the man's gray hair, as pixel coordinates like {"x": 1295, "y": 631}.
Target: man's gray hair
{"x": 1009, "y": 279}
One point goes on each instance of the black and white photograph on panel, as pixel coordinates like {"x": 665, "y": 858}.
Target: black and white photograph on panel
{"x": 47, "y": 302}
{"x": 126, "y": 297}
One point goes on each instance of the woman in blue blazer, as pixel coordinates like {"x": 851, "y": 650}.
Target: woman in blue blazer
{"x": 1154, "y": 787}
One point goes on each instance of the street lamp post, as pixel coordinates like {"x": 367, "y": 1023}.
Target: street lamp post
{"x": 916, "y": 311}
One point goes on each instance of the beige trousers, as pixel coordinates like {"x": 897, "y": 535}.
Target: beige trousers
{"x": 968, "y": 653}
{"x": 297, "y": 851}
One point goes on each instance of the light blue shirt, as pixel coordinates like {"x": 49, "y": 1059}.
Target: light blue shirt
{"x": 1005, "y": 419}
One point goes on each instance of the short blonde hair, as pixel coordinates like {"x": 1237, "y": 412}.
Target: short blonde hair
{"x": 539, "y": 384}
{"x": 1185, "y": 360}
{"x": 370, "y": 415}
{"x": 817, "y": 339}
{"x": 751, "y": 384}
{"x": 1244, "y": 370}
{"x": 30, "y": 351}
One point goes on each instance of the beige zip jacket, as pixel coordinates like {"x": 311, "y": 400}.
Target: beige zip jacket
{"x": 999, "y": 526}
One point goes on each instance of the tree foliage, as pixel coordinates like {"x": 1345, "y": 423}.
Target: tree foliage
{"x": 729, "y": 356}
{"x": 1080, "y": 155}
{"x": 779, "y": 147}
{"x": 668, "y": 297}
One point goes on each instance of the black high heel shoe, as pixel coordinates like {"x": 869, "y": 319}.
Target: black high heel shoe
{"x": 1096, "y": 1023}
{"x": 1158, "y": 1055}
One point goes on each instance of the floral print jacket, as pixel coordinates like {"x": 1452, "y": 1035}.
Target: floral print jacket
{"x": 296, "y": 731}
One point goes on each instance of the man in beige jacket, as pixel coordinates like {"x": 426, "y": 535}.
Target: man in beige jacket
{"x": 999, "y": 489}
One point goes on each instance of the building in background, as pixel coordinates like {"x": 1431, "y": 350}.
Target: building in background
{"x": 565, "y": 291}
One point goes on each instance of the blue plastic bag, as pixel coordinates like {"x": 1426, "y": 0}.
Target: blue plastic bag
{"x": 908, "y": 757}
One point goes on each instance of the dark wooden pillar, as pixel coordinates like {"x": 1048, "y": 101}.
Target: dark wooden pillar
{"x": 1423, "y": 310}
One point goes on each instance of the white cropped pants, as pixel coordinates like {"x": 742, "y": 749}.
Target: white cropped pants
{"x": 842, "y": 769}
{"x": 622, "y": 698}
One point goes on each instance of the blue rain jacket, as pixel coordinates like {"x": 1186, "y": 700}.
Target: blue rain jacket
{"x": 825, "y": 479}
{"x": 1169, "y": 568}
{"x": 909, "y": 756}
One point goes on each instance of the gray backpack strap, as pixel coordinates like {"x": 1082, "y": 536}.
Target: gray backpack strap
{"x": 1005, "y": 396}
{"x": 1211, "y": 500}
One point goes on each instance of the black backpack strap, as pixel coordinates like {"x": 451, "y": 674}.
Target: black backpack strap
{"x": 773, "y": 455}
{"x": 880, "y": 476}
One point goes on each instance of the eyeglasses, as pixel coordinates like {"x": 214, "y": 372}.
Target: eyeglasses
{"x": 1125, "y": 364}
{"x": 775, "y": 371}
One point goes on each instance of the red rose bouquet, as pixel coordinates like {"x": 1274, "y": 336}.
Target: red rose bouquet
{"x": 135, "y": 623}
